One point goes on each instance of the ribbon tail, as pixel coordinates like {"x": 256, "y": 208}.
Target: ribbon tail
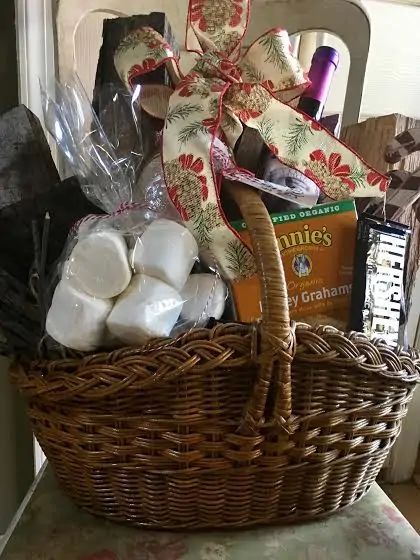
{"x": 142, "y": 51}
{"x": 194, "y": 116}
{"x": 217, "y": 28}
{"x": 231, "y": 126}
{"x": 303, "y": 144}
{"x": 270, "y": 61}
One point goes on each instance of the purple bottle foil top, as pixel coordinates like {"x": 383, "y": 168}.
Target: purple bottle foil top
{"x": 324, "y": 64}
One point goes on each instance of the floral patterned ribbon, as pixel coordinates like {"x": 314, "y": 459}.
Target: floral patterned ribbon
{"x": 221, "y": 93}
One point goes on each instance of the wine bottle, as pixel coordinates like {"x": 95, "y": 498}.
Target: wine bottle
{"x": 324, "y": 64}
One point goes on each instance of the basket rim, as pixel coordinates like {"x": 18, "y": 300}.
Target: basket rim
{"x": 84, "y": 378}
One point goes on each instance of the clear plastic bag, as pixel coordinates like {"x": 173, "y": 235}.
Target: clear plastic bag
{"x": 104, "y": 147}
{"x": 119, "y": 113}
{"x": 105, "y": 179}
{"x": 125, "y": 277}
{"x": 128, "y": 278}
{"x": 151, "y": 188}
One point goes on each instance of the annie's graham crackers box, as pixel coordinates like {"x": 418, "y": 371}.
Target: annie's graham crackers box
{"x": 317, "y": 248}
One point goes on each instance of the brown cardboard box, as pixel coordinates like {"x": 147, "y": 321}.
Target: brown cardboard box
{"x": 317, "y": 249}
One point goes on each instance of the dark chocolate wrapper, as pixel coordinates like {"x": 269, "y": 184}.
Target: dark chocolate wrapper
{"x": 378, "y": 289}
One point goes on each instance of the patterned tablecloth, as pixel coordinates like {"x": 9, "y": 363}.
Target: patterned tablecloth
{"x": 50, "y": 527}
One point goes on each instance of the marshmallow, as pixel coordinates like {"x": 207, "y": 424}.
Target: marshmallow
{"x": 77, "y": 320}
{"x": 166, "y": 251}
{"x": 148, "y": 308}
{"x": 99, "y": 266}
{"x": 204, "y": 296}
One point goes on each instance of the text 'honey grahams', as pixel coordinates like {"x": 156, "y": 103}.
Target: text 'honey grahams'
{"x": 317, "y": 250}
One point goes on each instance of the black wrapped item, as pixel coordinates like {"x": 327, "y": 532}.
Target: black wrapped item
{"x": 65, "y": 203}
{"x": 377, "y": 307}
{"x": 19, "y": 317}
{"x": 27, "y": 169}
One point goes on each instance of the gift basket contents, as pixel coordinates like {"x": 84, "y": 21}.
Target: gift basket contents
{"x": 206, "y": 328}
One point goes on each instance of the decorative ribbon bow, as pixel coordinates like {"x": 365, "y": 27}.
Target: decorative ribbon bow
{"x": 221, "y": 92}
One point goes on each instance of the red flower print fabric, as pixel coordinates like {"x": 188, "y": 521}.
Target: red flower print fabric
{"x": 328, "y": 172}
{"x": 187, "y": 187}
{"x": 230, "y": 70}
{"x": 314, "y": 124}
{"x": 377, "y": 180}
{"x": 166, "y": 548}
{"x": 138, "y": 70}
{"x": 211, "y": 15}
{"x": 186, "y": 86}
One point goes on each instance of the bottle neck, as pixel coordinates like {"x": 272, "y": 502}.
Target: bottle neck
{"x": 324, "y": 64}
{"x": 312, "y": 107}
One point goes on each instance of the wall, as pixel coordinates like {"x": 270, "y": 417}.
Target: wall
{"x": 392, "y": 83}
{"x": 16, "y": 447}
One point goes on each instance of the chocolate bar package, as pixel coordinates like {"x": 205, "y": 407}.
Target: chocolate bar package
{"x": 377, "y": 307}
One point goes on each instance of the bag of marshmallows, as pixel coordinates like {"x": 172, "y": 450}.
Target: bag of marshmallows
{"x": 133, "y": 274}
{"x": 126, "y": 287}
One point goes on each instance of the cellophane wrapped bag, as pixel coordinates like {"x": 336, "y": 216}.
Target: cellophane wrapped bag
{"x": 134, "y": 273}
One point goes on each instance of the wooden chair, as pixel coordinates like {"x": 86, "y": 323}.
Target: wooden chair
{"x": 79, "y": 28}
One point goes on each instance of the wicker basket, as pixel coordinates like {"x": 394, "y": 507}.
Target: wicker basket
{"x": 234, "y": 426}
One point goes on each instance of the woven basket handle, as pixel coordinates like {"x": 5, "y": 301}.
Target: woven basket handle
{"x": 277, "y": 337}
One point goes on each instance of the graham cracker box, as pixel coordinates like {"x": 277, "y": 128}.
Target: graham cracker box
{"x": 317, "y": 247}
